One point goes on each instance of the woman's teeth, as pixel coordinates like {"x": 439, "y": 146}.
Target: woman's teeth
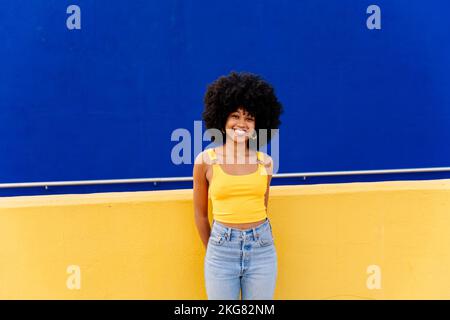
{"x": 240, "y": 132}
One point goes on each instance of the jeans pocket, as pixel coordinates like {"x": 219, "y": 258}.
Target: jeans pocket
{"x": 216, "y": 239}
{"x": 266, "y": 238}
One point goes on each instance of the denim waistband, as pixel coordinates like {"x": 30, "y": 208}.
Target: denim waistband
{"x": 222, "y": 229}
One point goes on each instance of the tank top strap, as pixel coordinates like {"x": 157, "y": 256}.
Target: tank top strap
{"x": 260, "y": 157}
{"x": 212, "y": 155}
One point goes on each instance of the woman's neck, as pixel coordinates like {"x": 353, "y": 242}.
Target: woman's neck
{"x": 235, "y": 152}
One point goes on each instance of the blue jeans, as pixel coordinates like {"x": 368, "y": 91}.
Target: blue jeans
{"x": 240, "y": 260}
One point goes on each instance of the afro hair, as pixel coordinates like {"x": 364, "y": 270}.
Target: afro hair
{"x": 241, "y": 90}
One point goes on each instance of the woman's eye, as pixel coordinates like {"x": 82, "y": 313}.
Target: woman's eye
{"x": 234, "y": 116}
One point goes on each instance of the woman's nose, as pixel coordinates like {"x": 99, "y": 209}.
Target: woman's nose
{"x": 241, "y": 122}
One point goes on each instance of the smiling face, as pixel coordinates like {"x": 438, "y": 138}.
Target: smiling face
{"x": 239, "y": 125}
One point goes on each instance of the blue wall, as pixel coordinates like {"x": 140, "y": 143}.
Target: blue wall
{"x": 102, "y": 102}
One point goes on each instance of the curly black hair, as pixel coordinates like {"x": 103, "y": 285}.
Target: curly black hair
{"x": 242, "y": 90}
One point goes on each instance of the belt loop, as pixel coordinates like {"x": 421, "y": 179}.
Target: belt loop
{"x": 255, "y": 234}
{"x": 229, "y": 234}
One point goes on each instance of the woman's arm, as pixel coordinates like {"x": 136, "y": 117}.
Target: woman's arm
{"x": 200, "y": 189}
{"x": 268, "y": 164}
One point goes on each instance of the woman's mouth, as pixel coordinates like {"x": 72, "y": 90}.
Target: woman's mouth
{"x": 240, "y": 132}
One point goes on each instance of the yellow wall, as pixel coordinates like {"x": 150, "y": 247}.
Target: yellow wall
{"x": 144, "y": 245}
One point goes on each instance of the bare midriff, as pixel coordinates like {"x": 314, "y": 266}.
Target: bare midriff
{"x": 243, "y": 226}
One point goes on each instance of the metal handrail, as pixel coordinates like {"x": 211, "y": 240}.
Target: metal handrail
{"x": 179, "y": 179}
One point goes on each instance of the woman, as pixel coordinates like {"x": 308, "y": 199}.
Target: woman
{"x": 240, "y": 260}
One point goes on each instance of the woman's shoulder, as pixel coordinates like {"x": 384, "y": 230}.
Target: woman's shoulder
{"x": 265, "y": 158}
{"x": 267, "y": 161}
{"x": 204, "y": 158}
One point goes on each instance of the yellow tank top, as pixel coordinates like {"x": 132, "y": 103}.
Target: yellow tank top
{"x": 238, "y": 198}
